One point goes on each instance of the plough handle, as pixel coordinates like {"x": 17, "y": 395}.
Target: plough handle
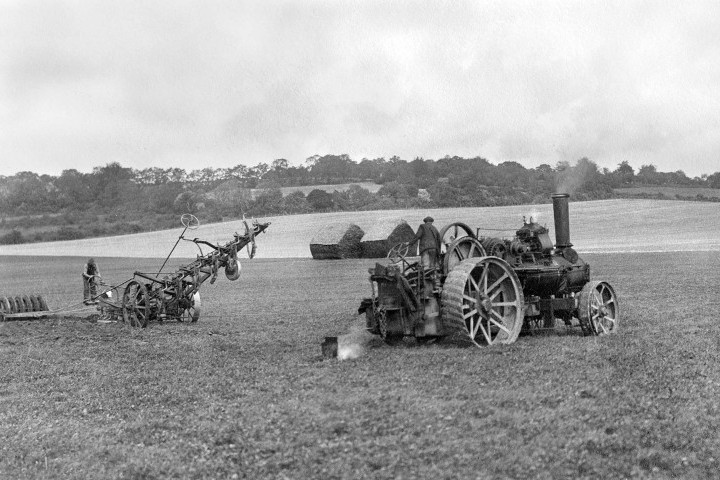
{"x": 173, "y": 249}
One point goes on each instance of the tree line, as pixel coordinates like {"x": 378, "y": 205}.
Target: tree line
{"x": 113, "y": 199}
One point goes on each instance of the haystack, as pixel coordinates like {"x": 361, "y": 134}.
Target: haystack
{"x": 337, "y": 241}
{"x": 384, "y": 235}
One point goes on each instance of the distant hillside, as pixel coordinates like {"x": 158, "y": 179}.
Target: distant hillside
{"x": 116, "y": 200}
{"x": 670, "y": 193}
{"x": 340, "y": 187}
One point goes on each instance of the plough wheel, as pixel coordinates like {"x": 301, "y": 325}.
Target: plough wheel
{"x": 192, "y": 313}
{"x": 461, "y": 249}
{"x": 135, "y": 304}
{"x": 483, "y": 297}
{"x": 598, "y": 310}
{"x": 232, "y": 269}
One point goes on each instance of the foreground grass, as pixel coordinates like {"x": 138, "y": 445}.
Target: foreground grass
{"x": 244, "y": 392}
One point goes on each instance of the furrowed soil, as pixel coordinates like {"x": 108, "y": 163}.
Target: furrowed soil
{"x": 245, "y": 393}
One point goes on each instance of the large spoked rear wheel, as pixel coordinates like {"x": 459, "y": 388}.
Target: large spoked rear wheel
{"x": 483, "y": 298}
{"x": 192, "y": 313}
{"x": 598, "y": 310}
{"x": 136, "y": 305}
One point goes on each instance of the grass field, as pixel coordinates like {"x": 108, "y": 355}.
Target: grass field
{"x": 599, "y": 226}
{"x": 244, "y": 392}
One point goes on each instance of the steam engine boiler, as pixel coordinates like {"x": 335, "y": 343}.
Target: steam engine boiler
{"x": 490, "y": 288}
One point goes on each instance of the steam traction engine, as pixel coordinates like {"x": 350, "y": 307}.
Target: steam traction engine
{"x": 491, "y": 288}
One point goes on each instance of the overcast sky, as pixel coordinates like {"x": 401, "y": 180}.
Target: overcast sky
{"x": 201, "y": 84}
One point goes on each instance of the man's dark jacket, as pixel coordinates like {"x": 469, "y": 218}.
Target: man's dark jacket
{"x": 429, "y": 238}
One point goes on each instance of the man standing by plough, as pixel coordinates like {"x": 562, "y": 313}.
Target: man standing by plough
{"x": 90, "y": 273}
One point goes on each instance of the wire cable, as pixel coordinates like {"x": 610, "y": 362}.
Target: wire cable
{"x": 76, "y": 307}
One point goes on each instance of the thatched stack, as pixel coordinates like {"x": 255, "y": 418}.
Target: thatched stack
{"x": 337, "y": 241}
{"x": 384, "y": 235}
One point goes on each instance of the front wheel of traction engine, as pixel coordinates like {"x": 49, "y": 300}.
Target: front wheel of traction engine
{"x": 598, "y": 310}
{"x": 483, "y": 298}
{"x": 136, "y": 304}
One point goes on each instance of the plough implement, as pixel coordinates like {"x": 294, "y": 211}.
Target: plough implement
{"x": 156, "y": 296}
{"x": 149, "y": 297}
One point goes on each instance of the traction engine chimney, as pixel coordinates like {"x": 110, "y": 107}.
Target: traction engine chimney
{"x": 562, "y": 220}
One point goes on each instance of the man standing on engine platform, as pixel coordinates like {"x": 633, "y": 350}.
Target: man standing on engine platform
{"x": 90, "y": 273}
{"x": 429, "y": 239}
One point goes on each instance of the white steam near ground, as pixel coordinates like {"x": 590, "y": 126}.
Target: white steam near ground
{"x": 354, "y": 343}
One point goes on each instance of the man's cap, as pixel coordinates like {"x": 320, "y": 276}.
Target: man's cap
{"x": 428, "y": 219}
{"x": 91, "y": 260}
